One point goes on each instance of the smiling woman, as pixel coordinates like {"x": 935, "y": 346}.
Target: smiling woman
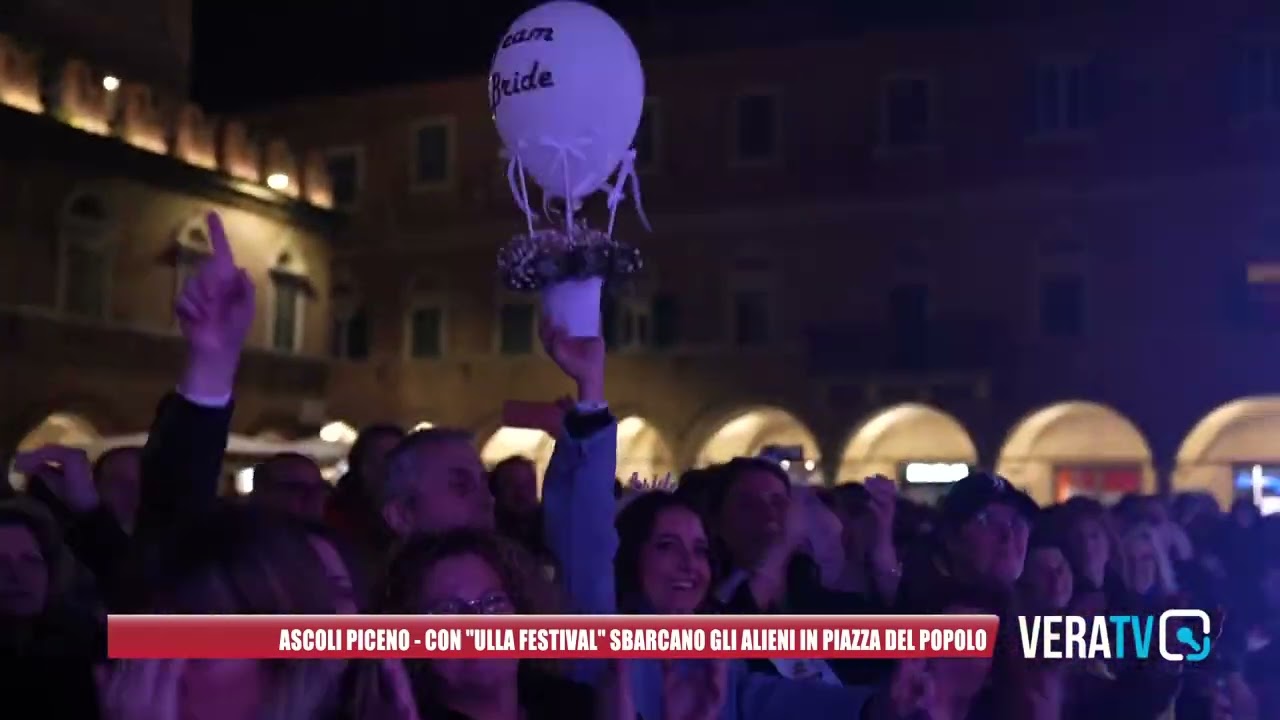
{"x": 663, "y": 564}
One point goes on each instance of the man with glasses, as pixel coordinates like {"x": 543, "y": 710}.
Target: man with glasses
{"x": 984, "y": 529}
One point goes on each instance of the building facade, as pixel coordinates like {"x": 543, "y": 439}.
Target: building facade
{"x": 1045, "y": 248}
{"x": 105, "y": 180}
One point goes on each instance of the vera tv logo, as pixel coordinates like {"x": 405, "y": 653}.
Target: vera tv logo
{"x": 1184, "y": 636}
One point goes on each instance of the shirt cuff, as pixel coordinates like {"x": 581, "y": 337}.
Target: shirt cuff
{"x": 206, "y": 401}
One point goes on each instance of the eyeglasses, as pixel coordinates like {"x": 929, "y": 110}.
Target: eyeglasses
{"x": 493, "y": 604}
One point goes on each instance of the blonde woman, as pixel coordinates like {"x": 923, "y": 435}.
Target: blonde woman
{"x": 1145, "y": 565}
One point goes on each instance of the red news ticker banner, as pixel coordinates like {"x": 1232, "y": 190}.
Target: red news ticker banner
{"x": 550, "y": 636}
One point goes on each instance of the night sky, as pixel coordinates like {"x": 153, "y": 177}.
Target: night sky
{"x": 254, "y": 52}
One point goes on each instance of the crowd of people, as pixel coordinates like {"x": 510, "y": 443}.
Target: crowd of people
{"x": 419, "y": 525}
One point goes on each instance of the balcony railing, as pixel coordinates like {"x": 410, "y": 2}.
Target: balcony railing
{"x": 43, "y": 339}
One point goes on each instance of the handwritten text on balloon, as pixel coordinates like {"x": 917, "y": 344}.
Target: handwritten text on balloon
{"x": 535, "y": 79}
{"x": 525, "y": 35}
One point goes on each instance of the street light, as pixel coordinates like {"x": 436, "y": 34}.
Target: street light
{"x": 111, "y": 83}
{"x": 277, "y": 181}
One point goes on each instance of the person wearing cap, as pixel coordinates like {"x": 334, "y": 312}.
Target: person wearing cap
{"x": 981, "y": 537}
{"x": 986, "y": 523}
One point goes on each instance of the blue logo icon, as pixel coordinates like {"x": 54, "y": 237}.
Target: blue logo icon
{"x": 1196, "y": 644}
{"x": 1199, "y": 648}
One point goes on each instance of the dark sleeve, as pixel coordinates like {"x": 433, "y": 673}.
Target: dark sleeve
{"x": 103, "y": 547}
{"x": 181, "y": 463}
{"x": 807, "y": 595}
{"x": 582, "y": 425}
{"x": 95, "y": 539}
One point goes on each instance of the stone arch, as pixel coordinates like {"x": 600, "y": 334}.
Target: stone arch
{"x": 1233, "y": 452}
{"x": 1077, "y": 446}
{"x": 748, "y": 430}
{"x": 506, "y": 442}
{"x": 918, "y": 445}
{"x": 643, "y": 449}
{"x": 60, "y": 427}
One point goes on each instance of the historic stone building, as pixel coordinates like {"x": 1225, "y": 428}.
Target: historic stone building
{"x": 106, "y": 173}
{"x": 1046, "y": 247}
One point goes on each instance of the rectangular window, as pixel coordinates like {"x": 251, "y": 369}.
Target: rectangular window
{"x": 648, "y": 137}
{"x": 1061, "y": 305}
{"x": 1067, "y": 97}
{"x": 515, "y": 328}
{"x": 666, "y": 321}
{"x": 756, "y": 126}
{"x": 751, "y": 318}
{"x": 908, "y": 112}
{"x": 286, "y": 325}
{"x": 432, "y": 153}
{"x": 350, "y": 336}
{"x": 344, "y": 176}
{"x": 426, "y": 332}
{"x": 626, "y": 325}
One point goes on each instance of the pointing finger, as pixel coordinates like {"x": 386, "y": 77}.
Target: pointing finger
{"x": 218, "y": 240}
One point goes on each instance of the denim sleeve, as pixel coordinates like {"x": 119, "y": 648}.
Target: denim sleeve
{"x": 578, "y": 510}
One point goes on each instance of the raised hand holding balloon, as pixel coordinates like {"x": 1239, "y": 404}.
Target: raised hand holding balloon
{"x": 567, "y": 92}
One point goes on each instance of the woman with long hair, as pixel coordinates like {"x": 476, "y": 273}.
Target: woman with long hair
{"x": 1145, "y": 567}
{"x": 664, "y": 562}
{"x": 664, "y": 565}
{"x": 38, "y": 613}
{"x": 353, "y": 507}
{"x": 45, "y": 630}
{"x": 243, "y": 560}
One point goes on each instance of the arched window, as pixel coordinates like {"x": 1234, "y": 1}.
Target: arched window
{"x": 84, "y": 245}
{"x": 349, "y": 334}
{"x": 289, "y": 291}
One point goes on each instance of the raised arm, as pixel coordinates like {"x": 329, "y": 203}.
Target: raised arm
{"x": 577, "y": 492}
{"x": 182, "y": 461}
{"x": 578, "y": 489}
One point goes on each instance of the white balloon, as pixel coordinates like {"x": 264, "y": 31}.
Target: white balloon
{"x": 567, "y": 90}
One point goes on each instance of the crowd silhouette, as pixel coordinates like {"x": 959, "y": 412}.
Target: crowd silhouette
{"x": 418, "y": 525}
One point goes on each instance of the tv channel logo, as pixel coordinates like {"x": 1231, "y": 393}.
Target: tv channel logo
{"x": 1190, "y": 630}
